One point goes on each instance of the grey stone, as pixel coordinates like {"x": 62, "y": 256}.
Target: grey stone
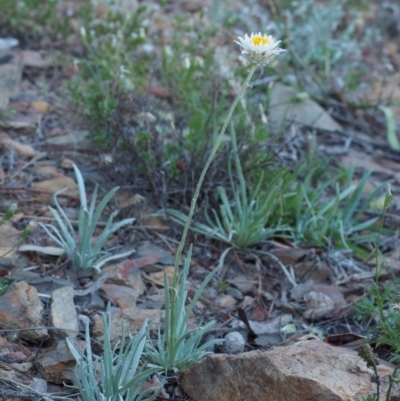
{"x": 63, "y": 314}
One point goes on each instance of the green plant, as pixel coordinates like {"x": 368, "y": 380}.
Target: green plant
{"x": 391, "y": 130}
{"x": 7, "y": 216}
{"x": 4, "y": 286}
{"x": 278, "y": 206}
{"x": 337, "y": 221}
{"x": 117, "y": 374}
{"x": 199, "y": 95}
{"x": 98, "y": 103}
{"x": 381, "y": 305}
{"x": 34, "y": 15}
{"x": 81, "y": 247}
{"x": 107, "y": 71}
{"x": 184, "y": 129}
{"x": 223, "y": 285}
{"x": 178, "y": 347}
{"x": 322, "y": 43}
{"x": 245, "y": 220}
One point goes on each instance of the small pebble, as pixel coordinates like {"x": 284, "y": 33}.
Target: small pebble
{"x": 39, "y": 385}
{"x": 226, "y": 301}
{"x": 8, "y": 43}
{"x": 234, "y": 343}
{"x": 235, "y": 293}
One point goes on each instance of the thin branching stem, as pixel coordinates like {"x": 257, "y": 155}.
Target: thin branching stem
{"x": 205, "y": 169}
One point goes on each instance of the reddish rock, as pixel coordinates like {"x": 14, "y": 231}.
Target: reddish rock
{"x": 57, "y": 364}
{"x": 53, "y": 185}
{"x": 13, "y": 352}
{"x": 21, "y": 308}
{"x": 127, "y": 273}
{"x": 310, "y": 370}
{"x": 119, "y": 295}
{"x": 133, "y": 318}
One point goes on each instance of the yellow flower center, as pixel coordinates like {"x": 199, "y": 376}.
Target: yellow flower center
{"x": 260, "y": 40}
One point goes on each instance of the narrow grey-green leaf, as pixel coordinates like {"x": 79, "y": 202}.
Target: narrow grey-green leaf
{"x": 391, "y": 128}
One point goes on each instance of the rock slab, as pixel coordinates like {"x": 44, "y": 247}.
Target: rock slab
{"x": 309, "y": 370}
{"x": 63, "y": 313}
{"x": 287, "y": 104}
{"x": 21, "y": 309}
{"x": 57, "y": 364}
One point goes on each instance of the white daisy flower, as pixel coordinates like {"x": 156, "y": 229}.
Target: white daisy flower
{"x": 259, "y": 49}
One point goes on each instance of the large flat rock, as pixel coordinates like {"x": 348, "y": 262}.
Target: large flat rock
{"x": 309, "y": 370}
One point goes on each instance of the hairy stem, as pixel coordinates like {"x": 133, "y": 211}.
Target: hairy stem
{"x": 205, "y": 169}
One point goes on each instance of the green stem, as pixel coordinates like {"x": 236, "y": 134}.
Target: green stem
{"x": 205, "y": 169}
{"x": 392, "y": 380}
{"x": 238, "y": 166}
{"x": 386, "y": 203}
